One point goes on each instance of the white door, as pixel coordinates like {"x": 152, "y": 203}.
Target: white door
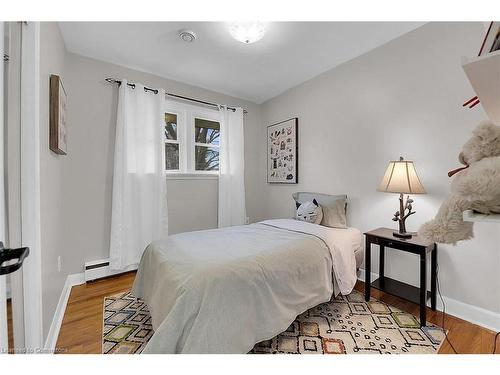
{"x": 19, "y": 223}
{"x": 3, "y": 295}
{"x": 10, "y": 181}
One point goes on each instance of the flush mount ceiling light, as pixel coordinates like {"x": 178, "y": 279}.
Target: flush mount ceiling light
{"x": 247, "y": 32}
{"x": 187, "y": 35}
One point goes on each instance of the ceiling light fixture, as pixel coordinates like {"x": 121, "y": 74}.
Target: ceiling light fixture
{"x": 247, "y": 32}
{"x": 187, "y": 35}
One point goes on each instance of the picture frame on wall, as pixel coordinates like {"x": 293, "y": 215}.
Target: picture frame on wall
{"x": 282, "y": 152}
{"x": 58, "y": 116}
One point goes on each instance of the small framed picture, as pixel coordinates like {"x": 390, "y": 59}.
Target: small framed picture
{"x": 282, "y": 152}
{"x": 57, "y": 116}
{"x": 491, "y": 41}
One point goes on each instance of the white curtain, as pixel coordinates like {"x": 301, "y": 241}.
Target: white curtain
{"x": 139, "y": 207}
{"x": 231, "y": 168}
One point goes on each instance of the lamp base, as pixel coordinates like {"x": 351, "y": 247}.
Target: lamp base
{"x": 402, "y": 235}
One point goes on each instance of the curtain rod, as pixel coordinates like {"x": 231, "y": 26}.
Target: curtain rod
{"x": 117, "y": 81}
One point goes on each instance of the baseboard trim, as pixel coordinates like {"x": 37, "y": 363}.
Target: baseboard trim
{"x": 361, "y": 275}
{"x": 473, "y": 314}
{"x": 71, "y": 281}
{"x": 476, "y": 315}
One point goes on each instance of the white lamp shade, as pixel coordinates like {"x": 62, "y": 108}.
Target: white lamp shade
{"x": 401, "y": 177}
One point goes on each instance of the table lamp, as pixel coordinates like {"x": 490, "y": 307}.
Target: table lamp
{"x": 401, "y": 177}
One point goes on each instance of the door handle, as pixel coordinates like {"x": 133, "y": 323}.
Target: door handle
{"x": 7, "y": 255}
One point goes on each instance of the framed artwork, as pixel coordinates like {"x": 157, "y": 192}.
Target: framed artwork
{"x": 58, "y": 115}
{"x": 282, "y": 152}
{"x": 491, "y": 42}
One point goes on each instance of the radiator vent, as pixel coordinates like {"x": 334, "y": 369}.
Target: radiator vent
{"x": 98, "y": 265}
{"x": 99, "y": 269}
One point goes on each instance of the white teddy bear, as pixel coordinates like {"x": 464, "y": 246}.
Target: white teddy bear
{"x": 475, "y": 187}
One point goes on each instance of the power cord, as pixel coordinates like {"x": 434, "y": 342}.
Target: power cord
{"x": 495, "y": 344}
{"x": 444, "y": 311}
{"x": 443, "y": 316}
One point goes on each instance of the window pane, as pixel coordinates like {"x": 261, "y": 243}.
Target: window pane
{"x": 171, "y": 156}
{"x": 206, "y": 158}
{"x": 206, "y": 131}
{"x": 170, "y": 126}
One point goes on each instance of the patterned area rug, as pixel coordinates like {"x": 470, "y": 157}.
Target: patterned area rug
{"x": 345, "y": 325}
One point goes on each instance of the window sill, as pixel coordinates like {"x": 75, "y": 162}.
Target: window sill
{"x": 192, "y": 176}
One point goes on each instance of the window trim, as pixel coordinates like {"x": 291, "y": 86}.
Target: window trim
{"x": 186, "y": 115}
{"x": 168, "y": 108}
{"x": 209, "y": 115}
{"x": 192, "y": 176}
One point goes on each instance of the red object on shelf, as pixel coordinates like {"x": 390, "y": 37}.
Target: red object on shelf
{"x": 470, "y": 101}
{"x": 455, "y": 171}
{"x": 474, "y": 104}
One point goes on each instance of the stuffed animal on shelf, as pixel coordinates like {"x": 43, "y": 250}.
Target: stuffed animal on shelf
{"x": 475, "y": 187}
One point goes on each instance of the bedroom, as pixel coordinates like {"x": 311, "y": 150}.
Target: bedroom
{"x": 251, "y": 135}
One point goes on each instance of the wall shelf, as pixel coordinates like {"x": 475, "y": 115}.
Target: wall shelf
{"x": 470, "y": 215}
{"x": 483, "y": 73}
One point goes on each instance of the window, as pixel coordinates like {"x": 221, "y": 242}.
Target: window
{"x": 206, "y": 141}
{"x": 171, "y": 143}
{"x": 192, "y": 137}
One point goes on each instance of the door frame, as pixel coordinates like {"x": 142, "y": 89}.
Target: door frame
{"x": 13, "y": 172}
{"x": 4, "y": 337}
{"x": 30, "y": 186}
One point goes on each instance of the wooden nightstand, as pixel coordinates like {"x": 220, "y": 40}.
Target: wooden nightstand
{"x": 415, "y": 245}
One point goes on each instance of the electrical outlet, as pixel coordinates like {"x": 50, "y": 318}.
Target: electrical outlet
{"x": 59, "y": 263}
{"x": 247, "y": 220}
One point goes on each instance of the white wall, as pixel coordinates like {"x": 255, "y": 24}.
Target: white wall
{"x": 197, "y": 209}
{"x": 86, "y": 199}
{"x": 403, "y": 98}
{"x": 76, "y": 188}
{"x": 52, "y": 180}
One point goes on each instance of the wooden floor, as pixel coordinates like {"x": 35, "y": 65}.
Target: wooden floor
{"x": 81, "y": 329}
{"x": 10, "y": 327}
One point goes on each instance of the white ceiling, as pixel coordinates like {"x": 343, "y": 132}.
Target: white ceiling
{"x": 289, "y": 54}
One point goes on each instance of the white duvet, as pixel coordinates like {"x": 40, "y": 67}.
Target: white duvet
{"x": 224, "y": 290}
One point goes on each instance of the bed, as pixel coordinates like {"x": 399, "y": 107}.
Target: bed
{"x": 224, "y": 290}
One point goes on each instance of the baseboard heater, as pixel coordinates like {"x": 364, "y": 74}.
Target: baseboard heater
{"x": 99, "y": 269}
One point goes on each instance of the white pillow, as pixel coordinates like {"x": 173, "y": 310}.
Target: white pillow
{"x": 333, "y": 206}
{"x": 309, "y": 211}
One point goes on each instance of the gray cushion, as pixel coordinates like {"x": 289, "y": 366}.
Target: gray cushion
{"x": 334, "y": 207}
